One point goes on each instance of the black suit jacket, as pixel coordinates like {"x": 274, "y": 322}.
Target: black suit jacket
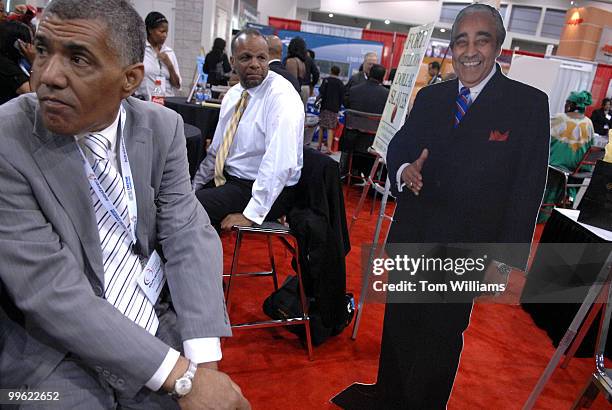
{"x": 278, "y": 68}
{"x": 600, "y": 121}
{"x": 484, "y": 180}
{"x": 369, "y": 96}
{"x": 356, "y": 79}
{"x": 318, "y": 220}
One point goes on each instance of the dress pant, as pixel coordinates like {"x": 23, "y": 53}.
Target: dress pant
{"x": 233, "y": 196}
{"x": 81, "y": 388}
{"x": 420, "y": 352}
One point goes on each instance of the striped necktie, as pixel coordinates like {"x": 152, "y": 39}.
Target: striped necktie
{"x": 228, "y": 138}
{"x": 464, "y": 99}
{"x": 121, "y": 265}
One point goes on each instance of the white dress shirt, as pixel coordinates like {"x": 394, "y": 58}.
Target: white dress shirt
{"x": 267, "y": 146}
{"x": 474, "y": 92}
{"x": 155, "y": 69}
{"x": 200, "y": 350}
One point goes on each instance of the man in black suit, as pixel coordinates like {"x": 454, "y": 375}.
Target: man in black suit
{"x": 370, "y": 95}
{"x": 602, "y": 118}
{"x": 369, "y": 59}
{"x": 474, "y": 174}
{"x": 275, "y": 52}
{"x": 433, "y": 69}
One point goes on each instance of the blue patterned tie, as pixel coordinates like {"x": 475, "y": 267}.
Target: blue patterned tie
{"x": 464, "y": 100}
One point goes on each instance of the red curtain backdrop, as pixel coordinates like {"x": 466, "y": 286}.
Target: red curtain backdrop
{"x": 385, "y": 37}
{"x": 284, "y": 24}
{"x": 600, "y": 86}
{"x": 398, "y": 48}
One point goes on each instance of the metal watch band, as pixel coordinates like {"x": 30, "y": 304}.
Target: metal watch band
{"x": 189, "y": 374}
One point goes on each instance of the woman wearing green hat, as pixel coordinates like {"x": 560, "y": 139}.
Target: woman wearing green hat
{"x": 571, "y": 136}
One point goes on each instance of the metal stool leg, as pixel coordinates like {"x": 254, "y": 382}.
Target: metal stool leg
{"x": 350, "y": 171}
{"x": 587, "y": 397}
{"x": 282, "y": 234}
{"x": 234, "y": 269}
{"x": 272, "y": 263}
{"x": 303, "y": 300}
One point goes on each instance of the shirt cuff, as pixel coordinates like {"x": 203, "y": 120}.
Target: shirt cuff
{"x": 203, "y": 350}
{"x": 255, "y": 212}
{"x": 162, "y": 373}
{"x": 398, "y": 177}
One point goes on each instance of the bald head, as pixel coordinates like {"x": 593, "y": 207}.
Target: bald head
{"x": 275, "y": 47}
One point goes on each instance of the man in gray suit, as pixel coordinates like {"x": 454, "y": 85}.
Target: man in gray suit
{"x": 95, "y": 198}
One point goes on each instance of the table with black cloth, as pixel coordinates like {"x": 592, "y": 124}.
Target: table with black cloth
{"x": 203, "y": 117}
{"x": 590, "y": 250}
{"x": 195, "y": 147}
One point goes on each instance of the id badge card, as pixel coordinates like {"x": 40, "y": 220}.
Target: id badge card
{"x": 152, "y": 278}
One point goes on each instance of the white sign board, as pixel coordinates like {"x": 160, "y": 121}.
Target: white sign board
{"x": 394, "y": 115}
{"x": 540, "y": 73}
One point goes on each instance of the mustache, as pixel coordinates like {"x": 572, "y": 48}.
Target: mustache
{"x": 469, "y": 59}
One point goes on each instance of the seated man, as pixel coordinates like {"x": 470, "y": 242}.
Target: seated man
{"x": 255, "y": 157}
{"x": 94, "y": 189}
{"x": 368, "y": 96}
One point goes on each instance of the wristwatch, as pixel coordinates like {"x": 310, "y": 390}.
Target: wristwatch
{"x": 183, "y": 385}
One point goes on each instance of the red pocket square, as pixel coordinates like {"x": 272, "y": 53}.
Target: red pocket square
{"x": 498, "y": 136}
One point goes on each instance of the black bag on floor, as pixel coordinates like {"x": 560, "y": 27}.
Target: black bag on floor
{"x": 285, "y": 303}
{"x": 596, "y": 205}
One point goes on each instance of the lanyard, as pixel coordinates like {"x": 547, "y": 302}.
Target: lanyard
{"x": 128, "y": 186}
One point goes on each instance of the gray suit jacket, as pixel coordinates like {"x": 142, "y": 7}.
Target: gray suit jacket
{"x": 51, "y": 271}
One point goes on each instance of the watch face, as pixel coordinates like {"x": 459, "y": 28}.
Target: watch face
{"x": 183, "y": 386}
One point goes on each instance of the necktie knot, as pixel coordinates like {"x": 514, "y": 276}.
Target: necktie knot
{"x": 244, "y": 99}
{"x": 228, "y": 138}
{"x": 463, "y": 102}
{"x": 98, "y": 145}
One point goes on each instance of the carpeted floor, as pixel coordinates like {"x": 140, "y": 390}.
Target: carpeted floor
{"x": 503, "y": 357}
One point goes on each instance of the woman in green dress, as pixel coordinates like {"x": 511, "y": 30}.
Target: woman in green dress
{"x": 571, "y": 136}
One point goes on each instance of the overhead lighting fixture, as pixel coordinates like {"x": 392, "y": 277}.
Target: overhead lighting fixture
{"x": 331, "y": 15}
{"x": 442, "y": 30}
{"x": 387, "y": 21}
{"x": 575, "y": 19}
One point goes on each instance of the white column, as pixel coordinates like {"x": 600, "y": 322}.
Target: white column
{"x": 208, "y": 24}
{"x": 275, "y": 8}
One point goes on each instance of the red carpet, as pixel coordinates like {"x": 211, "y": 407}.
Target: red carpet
{"x": 503, "y": 357}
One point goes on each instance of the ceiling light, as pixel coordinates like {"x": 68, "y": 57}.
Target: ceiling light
{"x": 331, "y": 14}
{"x": 387, "y": 21}
{"x": 442, "y": 30}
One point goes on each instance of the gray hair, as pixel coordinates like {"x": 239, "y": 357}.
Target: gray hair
{"x": 125, "y": 28}
{"x": 500, "y": 31}
{"x": 368, "y": 54}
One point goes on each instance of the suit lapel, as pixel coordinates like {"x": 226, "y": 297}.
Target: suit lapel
{"x": 62, "y": 166}
{"x": 447, "y": 104}
{"x": 138, "y": 142}
{"x": 487, "y": 101}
